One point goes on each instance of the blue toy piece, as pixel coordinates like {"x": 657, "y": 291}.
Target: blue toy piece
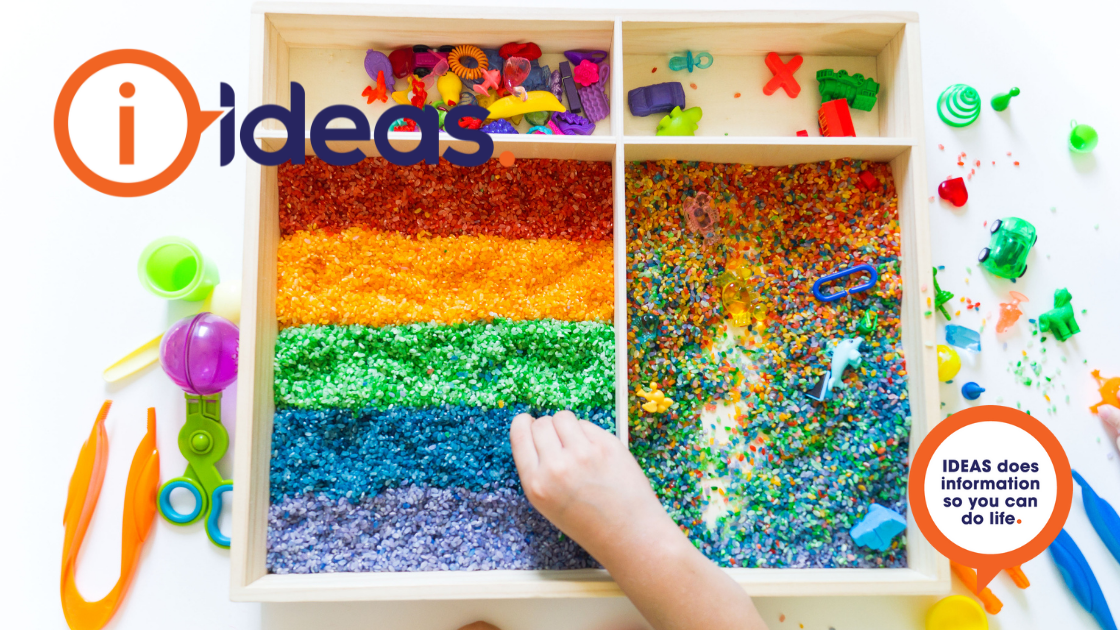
{"x": 1101, "y": 515}
{"x": 971, "y": 390}
{"x": 962, "y": 337}
{"x": 1080, "y": 579}
{"x": 659, "y": 98}
{"x": 688, "y": 62}
{"x": 844, "y": 355}
{"x": 877, "y": 529}
{"x": 832, "y": 297}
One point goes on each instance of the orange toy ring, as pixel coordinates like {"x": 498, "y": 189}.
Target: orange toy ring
{"x": 469, "y": 51}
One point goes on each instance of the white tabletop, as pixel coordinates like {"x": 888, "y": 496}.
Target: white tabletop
{"x": 73, "y": 302}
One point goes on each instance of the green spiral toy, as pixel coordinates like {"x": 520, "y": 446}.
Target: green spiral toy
{"x": 959, "y": 105}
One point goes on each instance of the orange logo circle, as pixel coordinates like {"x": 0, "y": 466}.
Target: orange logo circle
{"x": 197, "y": 122}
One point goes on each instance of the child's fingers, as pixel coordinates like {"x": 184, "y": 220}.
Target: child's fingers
{"x": 567, "y": 428}
{"x": 521, "y": 443}
{"x": 594, "y": 432}
{"x": 1110, "y": 414}
{"x": 545, "y": 438}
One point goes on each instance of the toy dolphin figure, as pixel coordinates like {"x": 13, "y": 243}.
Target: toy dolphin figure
{"x": 845, "y": 354}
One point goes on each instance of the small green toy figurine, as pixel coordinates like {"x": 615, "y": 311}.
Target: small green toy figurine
{"x": 868, "y": 322}
{"x": 941, "y": 297}
{"x": 1059, "y": 320}
{"x": 680, "y": 123}
{"x": 860, "y": 92}
{"x": 1001, "y": 101}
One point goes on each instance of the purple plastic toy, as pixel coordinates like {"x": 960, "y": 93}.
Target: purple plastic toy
{"x": 594, "y": 56}
{"x": 499, "y": 125}
{"x": 573, "y": 124}
{"x": 378, "y": 61}
{"x": 199, "y": 353}
{"x": 596, "y": 107}
{"x": 660, "y": 98}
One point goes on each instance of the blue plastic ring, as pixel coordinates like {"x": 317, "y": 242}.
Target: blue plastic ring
{"x": 832, "y": 297}
{"x": 169, "y": 512}
{"x": 540, "y": 128}
{"x": 215, "y": 534}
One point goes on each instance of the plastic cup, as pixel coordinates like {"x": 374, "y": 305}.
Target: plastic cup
{"x": 199, "y": 353}
{"x": 1082, "y": 138}
{"x": 173, "y": 268}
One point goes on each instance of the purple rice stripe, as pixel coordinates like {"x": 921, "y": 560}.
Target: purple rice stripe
{"x": 416, "y": 529}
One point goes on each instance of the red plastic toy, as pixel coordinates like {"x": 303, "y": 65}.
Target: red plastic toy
{"x": 867, "y": 181}
{"x": 379, "y": 93}
{"x": 783, "y": 75}
{"x": 404, "y": 61}
{"x": 804, "y": 133}
{"x": 528, "y": 50}
{"x": 953, "y": 191}
{"x": 466, "y": 122}
{"x": 419, "y": 94}
{"x": 835, "y": 119}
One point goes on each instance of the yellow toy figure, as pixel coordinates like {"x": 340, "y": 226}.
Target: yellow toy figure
{"x": 658, "y": 402}
{"x": 739, "y": 301}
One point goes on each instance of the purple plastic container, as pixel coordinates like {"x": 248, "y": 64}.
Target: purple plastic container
{"x": 199, "y": 353}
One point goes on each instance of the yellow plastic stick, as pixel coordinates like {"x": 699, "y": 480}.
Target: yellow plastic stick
{"x": 81, "y": 501}
{"x": 134, "y": 361}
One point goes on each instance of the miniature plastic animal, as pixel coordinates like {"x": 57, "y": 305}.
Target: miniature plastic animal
{"x": 1059, "y": 320}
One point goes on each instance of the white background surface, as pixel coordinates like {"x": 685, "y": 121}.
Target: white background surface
{"x": 73, "y": 303}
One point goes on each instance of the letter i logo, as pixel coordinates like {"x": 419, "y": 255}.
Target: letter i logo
{"x": 128, "y": 126}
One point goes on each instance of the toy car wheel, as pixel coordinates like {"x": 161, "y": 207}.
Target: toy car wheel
{"x": 984, "y": 254}
{"x": 421, "y": 48}
{"x": 996, "y": 225}
{"x": 1024, "y": 271}
{"x": 446, "y": 48}
{"x": 422, "y": 72}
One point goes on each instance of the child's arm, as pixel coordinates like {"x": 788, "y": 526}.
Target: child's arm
{"x": 586, "y": 482}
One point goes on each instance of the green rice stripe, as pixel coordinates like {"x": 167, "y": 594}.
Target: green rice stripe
{"x": 546, "y": 363}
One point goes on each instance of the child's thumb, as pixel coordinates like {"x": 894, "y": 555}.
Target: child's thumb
{"x": 1111, "y": 416}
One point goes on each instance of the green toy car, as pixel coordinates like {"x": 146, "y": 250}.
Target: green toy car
{"x": 1006, "y": 255}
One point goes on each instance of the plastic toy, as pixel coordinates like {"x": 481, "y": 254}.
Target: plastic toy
{"x": 1059, "y": 320}
{"x": 596, "y": 107}
{"x": 971, "y": 391}
{"x": 449, "y": 85}
{"x": 1001, "y": 101}
{"x": 1082, "y": 138}
{"x": 1101, "y": 515}
{"x": 876, "y": 529}
{"x": 1018, "y": 577}
{"x": 556, "y": 85}
{"x": 1009, "y": 312}
{"x": 688, "y": 62}
{"x": 832, "y": 297}
{"x": 958, "y": 105}
{"x": 501, "y": 126}
{"x": 134, "y": 361}
{"x": 1011, "y": 241}
{"x": 585, "y": 73}
{"x": 571, "y": 92}
{"x": 1080, "y": 579}
{"x": 868, "y": 323}
{"x": 514, "y": 73}
{"x": 472, "y": 55}
{"x": 410, "y": 95}
{"x": 528, "y": 50}
{"x": 656, "y": 400}
{"x": 377, "y": 62}
{"x": 948, "y": 363}
{"x": 867, "y": 180}
{"x": 1109, "y": 390}
{"x": 538, "y": 129}
{"x": 739, "y": 296}
{"x": 556, "y": 131}
{"x": 702, "y": 217}
{"x": 539, "y": 78}
{"x": 953, "y": 191}
{"x": 659, "y": 98}
{"x": 173, "y": 268}
{"x": 379, "y": 93}
{"x": 538, "y": 118}
{"x": 490, "y": 79}
{"x": 835, "y": 120}
{"x": 534, "y": 102}
{"x": 783, "y": 75}
{"x": 403, "y": 61}
{"x": 199, "y": 353}
{"x": 81, "y": 501}
{"x": 956, "y": 612}
{"x": 572, "y": 124}
{"x": 940, "y": 297}
{"x": 680, "y": 123}
{"x": 860, "y": 92}
{"x": 426, "y": 58}
{"x": 967, "y": 576}
{"x": 962, "y": 337}
{"x": 577, "y": 56}
{"x": 844, "y": 355}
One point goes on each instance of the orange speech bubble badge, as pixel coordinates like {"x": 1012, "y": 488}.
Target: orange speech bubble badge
{"x": 1010, "y": 423}
{"x": 197, "y": 122}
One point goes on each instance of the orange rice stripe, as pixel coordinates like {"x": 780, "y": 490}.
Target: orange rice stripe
{"x": 373, "y": 278}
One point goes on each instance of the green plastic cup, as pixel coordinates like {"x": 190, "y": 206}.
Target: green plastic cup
{"x": 1082, "y": 138}
{"x": 173, "y": 268}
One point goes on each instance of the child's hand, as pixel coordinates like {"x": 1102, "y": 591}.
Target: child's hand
{"x": 1111, "y": 417}
{"x": 585, "y": 481}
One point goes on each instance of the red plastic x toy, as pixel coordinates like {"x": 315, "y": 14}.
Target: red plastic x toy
{"x": 377, "y": 93}
{"x": 783, "y": 75}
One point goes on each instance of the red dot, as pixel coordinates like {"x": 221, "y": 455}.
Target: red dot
{"x": 1019, "y": 521}
{"x": 127, "y": 89}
